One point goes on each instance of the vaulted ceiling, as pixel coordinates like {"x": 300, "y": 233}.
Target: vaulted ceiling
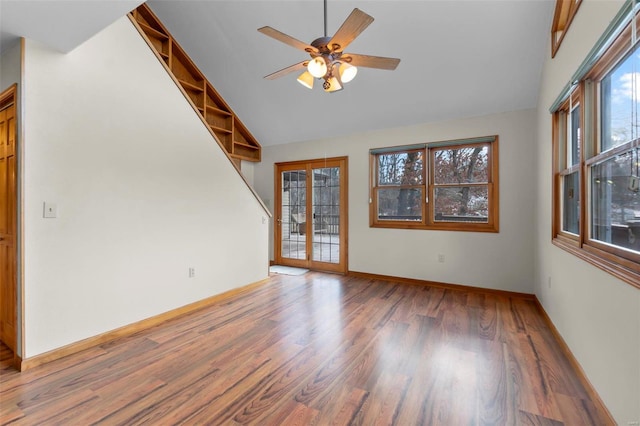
{"x": 458, "y": 58}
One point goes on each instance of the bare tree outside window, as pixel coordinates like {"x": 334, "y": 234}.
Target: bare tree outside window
{"x": 436, "y": 187}
{"x": 403, "y": 175}
{"x": 453, "y": 168}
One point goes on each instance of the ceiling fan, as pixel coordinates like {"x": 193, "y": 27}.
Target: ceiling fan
{"x": 329, "y": 61}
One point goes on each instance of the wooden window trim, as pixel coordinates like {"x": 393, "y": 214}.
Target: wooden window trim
{"x": 428, "y": 187}
{"x": 628, "y": 259}
{"x": 622, "y": 263}
{"x": 375, "y": 221}
{"x": 613, "y": 152}
{"x": 601, "y": 260}
{"x": 561, "y": 169}
{"x": 614, "y": 254}
{"x": 615, "y": 53}
{"x": 563, "y": 15}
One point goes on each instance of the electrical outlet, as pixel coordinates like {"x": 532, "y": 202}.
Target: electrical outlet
{"x": 264, "y": 220}
{"x": 192, "y": 272}
{"x": 50, "y": 210}
{"x": 441, "y": 258}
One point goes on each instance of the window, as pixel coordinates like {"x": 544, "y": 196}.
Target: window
{"x": 596, "y": 195}
{"x": 615, "y": 201}
{"x": 569, "y": 121}
{"x": 461, "y": 184}
{"x": 564, "y": 12}
{"x": 460, "y": 177}
{"x": 401, "y": 186}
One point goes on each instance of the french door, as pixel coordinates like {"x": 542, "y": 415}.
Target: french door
{"x": 311, "y": 214}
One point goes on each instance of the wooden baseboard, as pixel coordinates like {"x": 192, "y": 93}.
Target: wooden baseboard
{"x": 132, "y": 328}
{"x": 588, "y": 386}
{"x": 17, "y": 362}
{"x": 457, "y": 287}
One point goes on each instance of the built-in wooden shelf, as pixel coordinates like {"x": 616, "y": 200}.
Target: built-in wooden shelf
{"x": 191, "y": 86}
{"x": 153, "y": 32}
{"x": 220, "y": 129}
{"x": 215, "y": 110}
{"x": 245, "y": 145}
{"x": 232, "y": 135}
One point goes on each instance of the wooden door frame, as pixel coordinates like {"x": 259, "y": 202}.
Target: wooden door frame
{"x": 343, "y": 162}
{"x": 8, "y": 98}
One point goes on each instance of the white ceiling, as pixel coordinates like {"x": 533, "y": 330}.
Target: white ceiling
{"x": 458, "y": 58}
{"x": 62, "y": 24}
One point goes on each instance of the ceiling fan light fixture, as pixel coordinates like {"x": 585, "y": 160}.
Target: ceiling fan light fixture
{"x": 332, "y": 84}
{"x": 317, "y": 67}
{"x": 347, "y": 72}
{"x": 306, "y": 79}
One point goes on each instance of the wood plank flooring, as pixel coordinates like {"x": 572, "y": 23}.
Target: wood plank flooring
{"x": 318, "y": 349}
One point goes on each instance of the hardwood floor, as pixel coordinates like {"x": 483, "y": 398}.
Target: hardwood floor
{"x": 318, "y": 349}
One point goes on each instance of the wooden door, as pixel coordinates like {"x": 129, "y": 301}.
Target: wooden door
{"x": 311, "y": 214}
{"x": 8, "y": 199}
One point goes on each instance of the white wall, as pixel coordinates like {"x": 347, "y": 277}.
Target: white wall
{"x": 598, "y": 315}
{"x": 247, "y": 168}
{"x": 10, "y": 66}
{"x": 142, "y": 191}
{"x": 501, "y": 261}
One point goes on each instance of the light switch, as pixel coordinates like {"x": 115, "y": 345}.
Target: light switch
{"x": 50, "y": 210}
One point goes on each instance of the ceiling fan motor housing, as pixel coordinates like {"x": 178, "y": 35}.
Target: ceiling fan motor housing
{"x": 322, "y": 44}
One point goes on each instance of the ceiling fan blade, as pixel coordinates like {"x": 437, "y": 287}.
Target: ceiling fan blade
{"x": 287, "y": 70}
{"x": 287, "y": 39}
{"x": 356, "y": 23}
{"x": 368, "y": 61}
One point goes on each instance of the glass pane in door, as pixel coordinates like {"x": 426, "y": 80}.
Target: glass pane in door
{"x": 294, "y": 212}
{"x": 326, "y": 214}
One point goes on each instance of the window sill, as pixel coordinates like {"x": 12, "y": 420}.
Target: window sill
{"x": 448, "y": 226}
{"x": 625, "y": 274}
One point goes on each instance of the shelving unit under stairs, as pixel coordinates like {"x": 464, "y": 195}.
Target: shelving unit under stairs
{"x": 216, "y": 113}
